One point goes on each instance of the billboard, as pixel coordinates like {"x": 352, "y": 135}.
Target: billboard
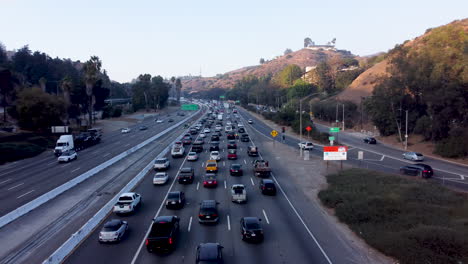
{"x": 335, "y": 152}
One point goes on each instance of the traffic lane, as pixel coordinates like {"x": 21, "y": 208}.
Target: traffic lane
{"x": 91, "y": 251}
{"x": 28, "y": 186}
{"x": 138, "y": 224}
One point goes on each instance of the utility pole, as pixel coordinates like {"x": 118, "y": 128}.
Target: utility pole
{"x": 336, "y": 120}
{"x": 343, "y": 117}
{"x": 406, "y": 133}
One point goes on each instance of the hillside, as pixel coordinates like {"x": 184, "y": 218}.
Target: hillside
{"x": 303, "y": 58}
{"x": 366, "y": 82}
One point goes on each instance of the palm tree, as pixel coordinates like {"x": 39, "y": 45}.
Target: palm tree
{"x": 178, "y": 86}
{"x": 92, "y": 69}
{"x": 66, "y": 86}
{"x": 172, "y": 92}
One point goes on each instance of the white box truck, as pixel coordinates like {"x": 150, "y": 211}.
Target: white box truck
{"x": 64, "y": 143}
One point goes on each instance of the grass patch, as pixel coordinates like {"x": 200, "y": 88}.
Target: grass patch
{"x": 411, "y": 220}
{"x": 24, "y": 145}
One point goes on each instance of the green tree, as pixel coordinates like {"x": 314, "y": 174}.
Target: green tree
{"x": 301, "y": 89}
{"x": 326, "y": 82}
{"x": 178, "y": 86}
{"x": 287, "y": 51}
{"x": 286, "y": 77}
{"x": 38, "y": 110}
{"x": 262, "y": 60}
{"x": 6, "y": 90}
{"x": 92, "y": 69}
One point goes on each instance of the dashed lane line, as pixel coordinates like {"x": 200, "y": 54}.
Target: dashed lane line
{"x": 266, "y": 217}
{"x": 24, "y": 194}
{"x": 18, "y": 185}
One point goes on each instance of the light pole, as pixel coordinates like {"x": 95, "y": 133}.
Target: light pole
{"x": 343, "y": 117}
{"x": 406, "y": 133}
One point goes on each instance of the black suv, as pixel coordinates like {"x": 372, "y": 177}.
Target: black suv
{"x": 214, "y": 146}
{"x": 370, "y": 140}
{"x": 163, "y": 235}
{"x": 208, "y": 212}
{"x": 231, "y": 136}
{"x": 251, "y": 229}
{"x": 175, "y": 200}
{"x": 186, "y": 175}
{"x": 209, "y": 253}
{"x": 245, "y": 138}
{"x": 420, "y": 169}
{"x": 241, "y": 130}
{"x": 268, "y": 186}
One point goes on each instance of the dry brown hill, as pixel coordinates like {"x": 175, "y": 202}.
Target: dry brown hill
{"x": 365, "y": 83}
{"x": 303, "y": 58}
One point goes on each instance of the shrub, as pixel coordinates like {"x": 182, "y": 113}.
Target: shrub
{"x": 18, "y": 150}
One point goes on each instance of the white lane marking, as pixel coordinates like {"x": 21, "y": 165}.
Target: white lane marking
{"x": 95, "y": 152}
{"x": 251, "y": 180}
{"x": 190, "y": 224}
{"x": 223, "y": 150}
{"x": 206, "y": 151}
{"x": 63, "y": 166}
{"x": 198, "y": 185}
{"x": 245, "y": 162}
{"x": 266, "y": 217}
{"x": 127, "y": 145}
{"x": 7, "y": 180}
{"x": 462, "y": 177}
{"x": 76, "y": 169}
{"x": 51, "y": 163}
{"x": 16, "y": 186}
{"x": 224, "y": 163}
{"x": 225, "y": 185}
{"x": 203, "y": 164}
{"x": 24, "y": 194}
{"x": 105, "y": 155}
{"x": 229, "y": 222}
{"x": 383, "y": 157}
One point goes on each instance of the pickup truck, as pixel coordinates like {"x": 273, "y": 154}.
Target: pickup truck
{"x": 238, "y": 193}
{"x": 306, "y": 145}
{"x": 163, "y": 234}
{"x": 127, "y": 203}
{"x": 261, "y": 168}
{"x": 252, "y": 151}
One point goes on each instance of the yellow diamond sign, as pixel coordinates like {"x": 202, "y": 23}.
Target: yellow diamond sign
{"x": 274, "y": 133}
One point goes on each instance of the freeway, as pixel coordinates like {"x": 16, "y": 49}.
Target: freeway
{"x": 25, "y": 180}
{"x": 379, "y": 157}
{"x": 295, "y": 231}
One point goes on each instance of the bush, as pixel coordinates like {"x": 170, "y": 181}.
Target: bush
{"x": 413, "y": 221}
{"x": 455, "y": 146}
{"x": 18, "y": 150}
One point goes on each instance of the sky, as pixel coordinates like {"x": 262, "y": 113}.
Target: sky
{"x": 186, "y": 37}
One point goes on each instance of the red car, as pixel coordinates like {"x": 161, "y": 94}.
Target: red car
{"x": 210, "y": 180}
{"x": 232, "y": 154}
{"x": 232, "y": 144}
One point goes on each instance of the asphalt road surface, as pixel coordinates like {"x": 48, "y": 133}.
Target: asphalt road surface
{"x": 290, "y": 228}
{"x": 378, "y": 157}
{"x": 25, "y": 180}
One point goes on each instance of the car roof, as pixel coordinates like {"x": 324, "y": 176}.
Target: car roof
{"x": 162, "y": 159}
{"x": 113, "y": 223}
{"x": 163, "y": 218}
{"x": 267, "y": 181}
{"x": 161, "y": 173}
{"x": 208, "y": 203}
{"x": 208, "y": 250}
{"x": 251, "y": 219}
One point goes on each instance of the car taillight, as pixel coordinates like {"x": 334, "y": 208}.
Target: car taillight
{"x": 215, "y": 182}
{"x": 170, "y": 241}
{"x": 425, "y": 171}
{"x": 214, "y": 215}
{"x": 147, "y": 242}
{"x": 204, "y": 182}
{"x": 200, "y": 215}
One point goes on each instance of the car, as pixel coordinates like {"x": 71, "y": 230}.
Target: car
{"x": 193, "y": 131}
{"x": 143, "y": 127}
{"x": 236, "y": 170}
{"x": 159, "y": 121}
{"x": 250, "y": 121}
{"x": 192, "y": 156}
{"x": 177, "y": 151}
{"x": 187, "y": 140}
{"x": 231, "y": 144}
{"x": 160, "y": 178}
{"x": 161, "y": 164}
{"x": 251, "y": 229}
{"x": 202, "y": 135}
{"x": 113, "y": 231}
{"x": 206, "y": 130}
{"x": 214, "y": 146}
{"x": 186, "y": 175}
{"x": 175, "y": 200}
{"x": 414, "y": 156}
{"x": 240, "y": 125}
{"x": 163, "y": 235}
{"x": 67, "y": 156}
{"x": 245, "y": 138}
{"x": 267, "y": 187}
{"x": 209, "y": 253}
{"x": 241, "y": 130}
{"x": 125, "y": 130}
{"x": 214, "y": 138}
{"x": 306, "y": 145}
{"x": 232, "y": 154}
{"x": 211, "y": 166}
{"x": 420, "y": 169}
{"x": 214, "y": 155}
{"x": 238, "y": 193}
{"x": 370, "y": 140}
{"x": 209, "y": 180}
{"x": 228, "y": 128}
{"x": 170, "y": 120}
{"x": 127, "y": 203}
{"x": 218, "y": 128}
{"x": 199, "y": 141}
{"x": 208, "y": 212}
{"x": 231, "y": 136}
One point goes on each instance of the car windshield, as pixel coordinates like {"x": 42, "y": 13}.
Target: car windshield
{"x": 111, "y": 227}
{"x": 235, "y": 166}
{"x": 160, "y": 175}
{"x": 160, "y": 161}
{"x": 252, "y": 225}
{"x": 211, "y": 164}
{"x": 173, "y": 195}
{"x": 419, "y": 154}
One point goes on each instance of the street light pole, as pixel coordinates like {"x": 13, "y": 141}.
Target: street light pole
{"x": 343, "y": 117}
{"x": 406, "y": 133}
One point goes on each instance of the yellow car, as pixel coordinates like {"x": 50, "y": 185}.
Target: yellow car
{"x": 211, "y": 166}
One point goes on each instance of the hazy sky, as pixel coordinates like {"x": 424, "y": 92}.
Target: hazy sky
{"x": 178, "y": 37}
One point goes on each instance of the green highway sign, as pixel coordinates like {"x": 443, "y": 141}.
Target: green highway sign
{"x": 334, "y": 129}
{"x": 189, "y": 107}
{"x": 331, "y": 138}
{"x": 222, "y": 97}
